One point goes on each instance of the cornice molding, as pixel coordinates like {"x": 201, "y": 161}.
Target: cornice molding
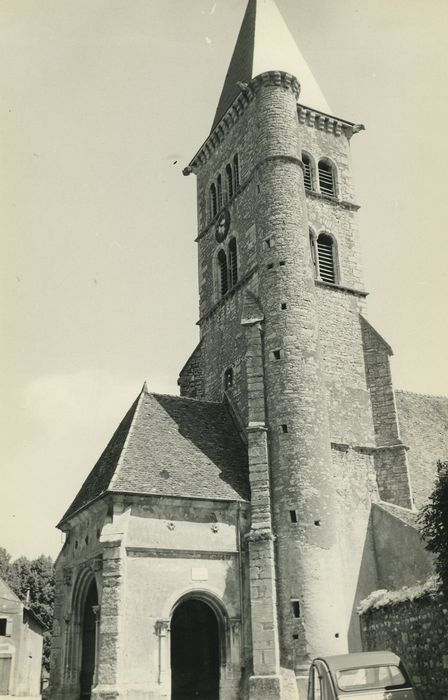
{"x": 327, "y": 122}
{"x": 332, "y": 200}
{"x": 341, "y": 288}
{"x": 237, "y": 109}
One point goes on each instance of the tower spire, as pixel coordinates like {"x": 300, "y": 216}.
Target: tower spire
{"x": 265, "y": 44}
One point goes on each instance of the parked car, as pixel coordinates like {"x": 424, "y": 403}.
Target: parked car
{"x": 372, "y": 675}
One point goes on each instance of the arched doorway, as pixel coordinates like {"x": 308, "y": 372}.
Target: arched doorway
{"x": 88, "y": 641}
{"x": 195, "y": 653}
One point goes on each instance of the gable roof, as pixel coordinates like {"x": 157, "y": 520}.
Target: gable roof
{"x": 170, "y": 446}
{"x": 265, "y": 44}
{"x": 6, "y": 592}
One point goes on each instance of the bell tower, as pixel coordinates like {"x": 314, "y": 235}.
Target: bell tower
{"x": 283, "y": 339}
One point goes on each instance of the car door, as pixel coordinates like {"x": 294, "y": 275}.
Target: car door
{"x": 320, "y": 686}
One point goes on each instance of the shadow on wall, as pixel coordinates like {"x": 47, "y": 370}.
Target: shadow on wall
{"x": 394, "y": 556}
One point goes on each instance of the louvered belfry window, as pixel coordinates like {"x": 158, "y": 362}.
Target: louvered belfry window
{"x": 233, "y": 262}
{"x": 223, "y": 276}
{"x": 307, "y": 172}
{"x": 326, "y": 257}
{"x": 213, "y": 200}
{"x": 326, "y": 179}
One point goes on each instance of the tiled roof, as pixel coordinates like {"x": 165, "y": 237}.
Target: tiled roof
{"x": 423, "y": 423}
{"x": 171, "y": 446}
{"x": 6, "y": 593}
{"x": 265, "y": 44}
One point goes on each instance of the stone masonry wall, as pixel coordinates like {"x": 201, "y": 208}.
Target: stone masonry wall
{"x": 416, "y": 630}
{"x": 390, "y": 457}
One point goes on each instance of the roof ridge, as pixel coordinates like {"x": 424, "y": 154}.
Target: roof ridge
{"x": 185, "y": 398}
{"x": 418, "y": 393}
{"x": 114, "y": 477}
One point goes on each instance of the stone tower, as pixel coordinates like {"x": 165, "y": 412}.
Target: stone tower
{"x": 282, "y": 334}
{"x": 225, "y": 537}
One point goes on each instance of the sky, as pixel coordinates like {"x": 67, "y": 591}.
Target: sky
{"x": 103, "y": 103}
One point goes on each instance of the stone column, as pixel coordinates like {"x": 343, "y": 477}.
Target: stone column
{"x": 162, "y": 631}
{"x": 265, "y": 683}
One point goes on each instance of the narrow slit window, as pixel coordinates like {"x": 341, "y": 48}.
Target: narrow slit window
{"x": 284, "y": 428}
{"x": 313, "y": 253}
{"x": 295, "y": 604}
{"x": 233, "y": 262}
{"x": 293, "y": 516}
{"x": 277, "y": 354}
{"x": 236, "y": 171}
{"x": 326, "y": 179}
{"x": 223, "y": 278}
{"x": 326, "y": 257}
{"x": 219, "y": 192}
{"x": 3, "y": 627}
{"x": 307, "y": 172}
{"x": 213, "y": 200}
{"x": 229, "y": 181}
{"x": 228, "y": 378}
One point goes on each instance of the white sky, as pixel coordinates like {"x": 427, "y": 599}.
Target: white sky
{"x": 103, "y": 102}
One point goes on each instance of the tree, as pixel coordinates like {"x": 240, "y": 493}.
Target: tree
{"x": 32, "y": 580}
{"x": 433, "y": 521}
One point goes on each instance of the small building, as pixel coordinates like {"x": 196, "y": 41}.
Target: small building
{"x": 21, "y": 638}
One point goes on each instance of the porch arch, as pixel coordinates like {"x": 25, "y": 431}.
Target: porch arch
{"x": 82, "y": 641}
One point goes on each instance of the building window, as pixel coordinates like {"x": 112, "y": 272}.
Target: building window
{"x": 223, "y": 276}
{"x": 295, "y": 604}
{"x": 228, "y": 378}
{"x": 326, "y": 258}
{"x": 307, "y": 172}
{"x": 229, "y": 181}
{"x": 236, "y": 172}
{"x": 3, "y": 627}
{"x": 327, "y": 179}
{"x": 219, "y": 192}
{"x": 233, "y": 262}
{"x": 213, "y": 200}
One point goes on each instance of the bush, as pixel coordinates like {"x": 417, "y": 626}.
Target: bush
{"x": 433, "y": 521}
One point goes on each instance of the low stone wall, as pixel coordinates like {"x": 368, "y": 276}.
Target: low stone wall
{"x": 413, "y": 623}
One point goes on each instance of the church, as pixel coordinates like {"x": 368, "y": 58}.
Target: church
{"x": 226, "y": 536}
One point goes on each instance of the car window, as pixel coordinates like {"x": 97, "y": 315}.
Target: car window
{"x": 370, "y": 677}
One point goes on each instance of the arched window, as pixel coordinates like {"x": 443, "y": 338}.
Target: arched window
{"x": 307, "y": 172}
{"x": 327, "y": 179}
{"x": 228, "y": 378}
{"x": 236, "y": 172}
{"x": 223, "y": 276}
{"x": 213, "y": 200}
{"x": 229, "y": 181}
{"x": 219, "y": 183}
{"x": 313, "y": 253}
{"x": 233, "y": 262}
{"x": 326, "y": 258}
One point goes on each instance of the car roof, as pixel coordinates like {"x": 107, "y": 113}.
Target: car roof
{"x": 360, "y": 659}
